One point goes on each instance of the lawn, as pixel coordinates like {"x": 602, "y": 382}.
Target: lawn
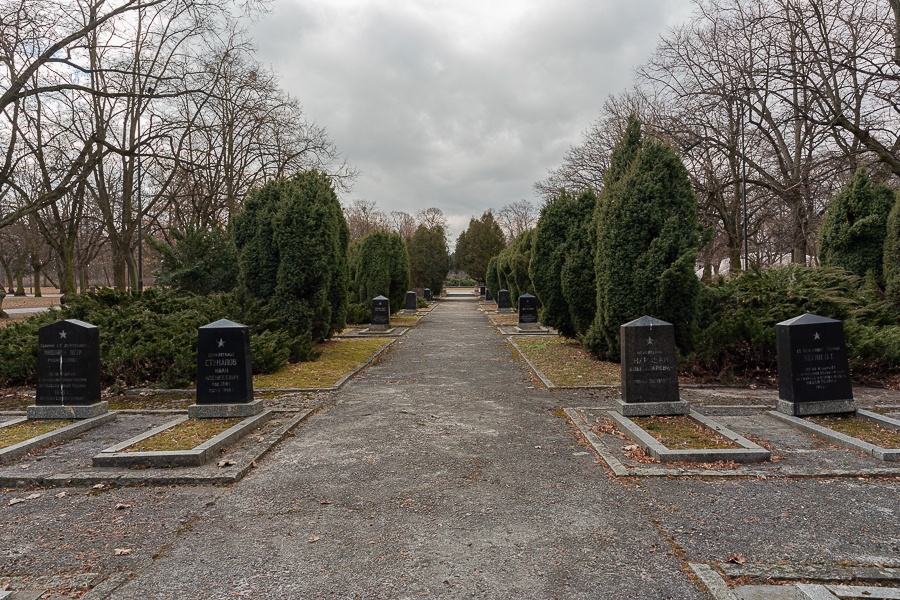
{"x": 860, "y": 428}
{"x": 185, "y": 436}
{"x": 15, "y": 434}
{"x": 565, "y": 363}
{"x": 683, "y": 433}
{"x": 339, "y": 357}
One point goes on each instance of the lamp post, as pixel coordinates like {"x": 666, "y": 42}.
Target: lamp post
{"x": 140, "y": 210}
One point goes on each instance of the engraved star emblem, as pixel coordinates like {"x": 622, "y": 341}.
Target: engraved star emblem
{"x": 649, "y": 341}
{"x": 221, "y": 343}
{"x": 62, "y": 335}
{"x": 817, "y": 336}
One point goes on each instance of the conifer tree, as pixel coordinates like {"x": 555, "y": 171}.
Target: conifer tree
{"x": 380, "y": 267}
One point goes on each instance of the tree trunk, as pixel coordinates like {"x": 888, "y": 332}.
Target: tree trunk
{"x": 37, "y": 270}
{"x": 799, "y": 227}
{"x": 20, "y": 281}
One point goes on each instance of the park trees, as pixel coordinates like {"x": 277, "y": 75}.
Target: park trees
{"x": 379, "y": 266}
{"x": 429, "y": 258}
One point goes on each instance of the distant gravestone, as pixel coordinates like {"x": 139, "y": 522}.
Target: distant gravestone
{"x": 68, "y": 372}
{"x": 504, "y": 304}
{"x": 528, "y": 317}
{"x": 224, "y": 372}
{"x": 649, "y": 369}
{"x": 813, "y": 370}
{"x": 381, "y": 313}
{"x": 410, "y": 302}
{"x": 487, "y": 295}
{"x": 481, "y": 291}
{"x": 427, "y": 294}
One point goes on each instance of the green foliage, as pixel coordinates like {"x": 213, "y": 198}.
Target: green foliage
{"x": 891, "y": 259}
{"x": 199, "y": 261}
{"x": 380, "y": 267}
{"x": 561, "y": 266}
{"x": 359, "y": 314}
{"x": 853, "y": 230}
{"x": 513, "y": 266}
{"x": 460, "y": 282}
{"x": 151, "y": 337}
{"x": 491, "y": 278}
{"x": 292, "y": 242}
{"x": 429, "y": 258}
{"x": 477, "y": 245}
{"x": 737, "y": 317}
{"x": 647, "y": 237}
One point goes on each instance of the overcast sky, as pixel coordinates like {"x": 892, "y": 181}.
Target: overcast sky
{"x": 459, "y": 104}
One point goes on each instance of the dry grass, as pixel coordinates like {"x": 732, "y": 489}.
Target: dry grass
{"x": 683, "y": 433}
{"x": 860, "y": 428}
{"x": 504, "y": 319}
{"x": 565, "y": 363}
{"x": 404, "y": 320}
{"x": 15, "y": 434}
{"x": 184, "y": 436}
{"x": 339, "y": 357}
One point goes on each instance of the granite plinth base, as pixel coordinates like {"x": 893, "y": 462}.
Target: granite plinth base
{"x": 505, "y": 311}
{"x": 379, "y": 327}
{"x": 225, "y": 411}
{"x": 652, "y": 409}
{"x": 825, "y": 407}
{"x": 87, "y": 411}
{"x": 408, "y": 311}
{"x": 529, "y": 326}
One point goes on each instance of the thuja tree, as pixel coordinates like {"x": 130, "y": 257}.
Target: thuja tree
{"x": 513, "y": 266}
{"x": 855, "y": 225}
{"x": 647, "y": 236}
{"x": 892, "y": 256}
{"x": 201, "y": 261}
{"x": 491, "y": 278}
{"x": 292, "y": 242}
{"x": 476, "y": 246}
{"x": 429, "y": 258}
{"x": 561, "y": 266}
{"x": 380, "y": 267}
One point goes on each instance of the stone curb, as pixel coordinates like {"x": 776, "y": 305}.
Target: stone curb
{"x": 749, "y": 452}
{"x": 712, "y": 581}
{"x": 59, "y": 435}
{"x": 842, "y": 439}
{"x": 340, "y": 382}
{"x": 115, "y": 456}
{"x": 549, "y": 384}
{"x": 129, "y": 478}
{"x": 619, "y": 469}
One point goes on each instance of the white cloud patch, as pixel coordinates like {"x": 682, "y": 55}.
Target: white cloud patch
{"x": 461, "y": 105}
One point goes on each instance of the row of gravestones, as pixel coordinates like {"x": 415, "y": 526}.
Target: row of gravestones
{"x": 68, "y": 372}
{"x": 381, "y": 309}
{"x": 813, "y": 370}
{"x": 527, "y": 305}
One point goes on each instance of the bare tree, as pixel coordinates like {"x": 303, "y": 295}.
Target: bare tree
{"x": 432, "y": 217}
{"x": 517, "y": 218}
{"x": 402, "y": 223}
{"x": 364, "y": 217}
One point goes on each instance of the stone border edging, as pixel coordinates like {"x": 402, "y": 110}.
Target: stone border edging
{"x": 748, "y": 451}
{"x": 140, "y": 477}
{"x": 62, "y": 434}
{"x": 847, "y": 441}
{"x": 116, "y": 456}
{"x": 619, "y": 469}
{"x": 549, "y": 384}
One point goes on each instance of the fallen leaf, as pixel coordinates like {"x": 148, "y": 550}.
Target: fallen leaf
{"x": 259, "y": 438}
{"x": 324, "y": 501}
{"x": 630, "y": 447}
{"x": 15, "y": 501}
{"x": 314, "y": 538}
{"x": 34, "y": 496}
{"x": 61, "y": 495}
{"x": 25, "y": 467}
{"x": 737, "y": 558}
{"x": 225, "y": 463}
{"x": 122, "y": 506}
{"x": 99, "y": 486}
{"x": 122, "y": 551}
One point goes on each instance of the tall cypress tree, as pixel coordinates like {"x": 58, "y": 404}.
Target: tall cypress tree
{"x": 429, "y": 259}
{"x": 647, "y": 236}
{"x": 380, "y": 268}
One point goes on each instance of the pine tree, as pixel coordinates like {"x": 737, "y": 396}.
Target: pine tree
{"x": 477, "y": 245}
{"x": 891, "y": 259}
{"x": 429, "y": 259}
{"x": 380, "y": 267}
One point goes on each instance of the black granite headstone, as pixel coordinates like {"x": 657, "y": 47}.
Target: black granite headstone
{"x": 381, "y": 311}
{"x": 224, "y": 367}
{"x": 410, "y": 300}
{"x": 487, "y": 294}
{"x": 68, "y": 369}
{"x": 481, "y": 290}
{"x": 503, "y": 301}
{"x": 528, "y": 309}
{"x": 812, "y": 360}
{"x": 649, "y": 365}
{"x": 427, "y": 293}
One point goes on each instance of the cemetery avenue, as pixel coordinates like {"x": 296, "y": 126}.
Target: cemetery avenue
{"x": 445, "y": 470}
